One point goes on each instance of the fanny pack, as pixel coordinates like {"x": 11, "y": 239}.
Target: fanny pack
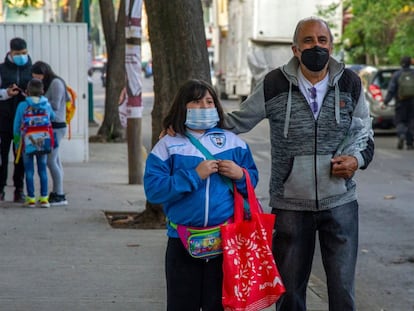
{"x": 200, "y": 242}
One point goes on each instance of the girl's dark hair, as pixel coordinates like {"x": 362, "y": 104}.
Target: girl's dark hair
{"x": 44, "y": 69}
{"x": 191, "y": 90}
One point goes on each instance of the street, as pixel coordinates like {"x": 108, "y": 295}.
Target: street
{"x": 385, "y": 269}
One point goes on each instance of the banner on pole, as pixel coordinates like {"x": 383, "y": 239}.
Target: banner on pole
{"x": 133, "y": 33}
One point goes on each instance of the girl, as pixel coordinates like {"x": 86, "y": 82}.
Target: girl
{"x": 193, "y": 190}
{"x": 55, "y": 91}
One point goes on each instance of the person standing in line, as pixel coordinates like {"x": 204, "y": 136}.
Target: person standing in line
{"x": 192, "y": 190}
{"x": 15, "y": 73}
{"x": 55, "y": 91}
{"x": 404, "y": 107}
{"x": 314, "y": 106}
{"x": 34, "y": 101}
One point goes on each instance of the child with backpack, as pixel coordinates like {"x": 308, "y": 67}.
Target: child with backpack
{"x": 33, "y": 136}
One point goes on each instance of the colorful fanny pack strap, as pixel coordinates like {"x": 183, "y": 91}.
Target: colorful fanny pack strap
{"x": 209, "y": 156}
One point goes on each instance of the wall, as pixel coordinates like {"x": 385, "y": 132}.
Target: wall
{"x": 65, "y": 48}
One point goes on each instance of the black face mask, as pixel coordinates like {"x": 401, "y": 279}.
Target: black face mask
{"x": 315, "y": 58}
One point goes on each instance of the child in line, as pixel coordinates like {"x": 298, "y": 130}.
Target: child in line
{"x": 193, "y": 191}
{"x": 35, "y": 101}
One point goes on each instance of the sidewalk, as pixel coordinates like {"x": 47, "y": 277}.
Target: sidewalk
{"x": 70, "y": 259}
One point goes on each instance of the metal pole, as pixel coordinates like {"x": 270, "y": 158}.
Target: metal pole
{"x": 87, "y": 20}
{"x": 133, "y": 10}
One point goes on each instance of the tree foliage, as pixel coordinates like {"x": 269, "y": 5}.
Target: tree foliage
{"x": 380, "y": 31}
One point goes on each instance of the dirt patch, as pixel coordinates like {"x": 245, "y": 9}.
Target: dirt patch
{"x": 133, "y": 220}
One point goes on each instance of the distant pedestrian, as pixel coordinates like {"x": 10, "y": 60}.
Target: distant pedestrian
{"x": 55, "y": 91}
{"x": 401, "y": 87}
{"x": 191, "y": 188}
{"x": 35, "y": 107}
{"x": 15, "y": 73}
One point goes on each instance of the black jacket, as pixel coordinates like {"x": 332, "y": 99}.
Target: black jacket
{"x": 20, "y": 75}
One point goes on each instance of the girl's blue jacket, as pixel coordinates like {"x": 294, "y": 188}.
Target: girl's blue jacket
{"x": 171, "y": 179}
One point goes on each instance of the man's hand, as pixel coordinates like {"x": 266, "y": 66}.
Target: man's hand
{"x": 13, "y": 90}
{"x": 344, "y": 166}
{"x": 169, "y": 131}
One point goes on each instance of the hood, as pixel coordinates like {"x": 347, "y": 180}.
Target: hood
{"x": 37, "y": 102}
{"x": 290, "y": 71}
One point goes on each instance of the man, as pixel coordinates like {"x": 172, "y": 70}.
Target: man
{"x": 404, "y": 104}
{"x": 15, "y": 73}
{"x": 316, "y": 109}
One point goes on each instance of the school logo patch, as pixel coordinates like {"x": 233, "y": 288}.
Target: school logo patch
{"x": 218, "y": 140}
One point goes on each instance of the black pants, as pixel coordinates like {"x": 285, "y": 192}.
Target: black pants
{"x": 404, "y": 120}
{"x": 192, "y": 284}
{"x": 18, "y": 174}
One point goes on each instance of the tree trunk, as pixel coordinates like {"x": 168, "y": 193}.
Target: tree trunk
{"x": 114, "y": 31}
{"x": 179, "y": 52}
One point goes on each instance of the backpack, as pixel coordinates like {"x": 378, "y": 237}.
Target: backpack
{"x": 406, "y": 84}
{"x": 37, "y": 132}
{"x": 70, "y": 107}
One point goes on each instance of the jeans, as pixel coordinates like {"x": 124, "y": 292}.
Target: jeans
{"x": 54, "y": 162}
{"x": 41, "y": 161}
{"x": 294, "y": 245}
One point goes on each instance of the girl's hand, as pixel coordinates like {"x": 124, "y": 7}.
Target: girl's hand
{"x": 207, "y": 167}
{"x": 230, "y": 169}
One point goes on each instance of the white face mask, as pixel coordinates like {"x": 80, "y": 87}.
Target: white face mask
{"x": 201, "y": 119}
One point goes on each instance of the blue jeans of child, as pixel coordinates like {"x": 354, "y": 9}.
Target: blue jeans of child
{"x": 41, "y": 161}
{"x": 294, "y": 246}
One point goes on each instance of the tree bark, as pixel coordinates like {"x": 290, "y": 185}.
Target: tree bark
{"x": 114, "y": 32}
{"x": 179, "y": 52}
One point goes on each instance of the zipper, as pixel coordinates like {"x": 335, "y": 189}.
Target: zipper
{"x": 206, "y": 204}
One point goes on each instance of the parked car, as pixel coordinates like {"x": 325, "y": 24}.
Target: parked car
{"x": 355, "y": 67}
{"x": 98, "y": 63}
{"x": 375, "y": 82}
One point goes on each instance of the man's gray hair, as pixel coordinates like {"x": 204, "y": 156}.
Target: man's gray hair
{"x": 307, "y": 19}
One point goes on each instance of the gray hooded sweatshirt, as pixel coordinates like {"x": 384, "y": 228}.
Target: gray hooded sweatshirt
{"x": 302, "y": 147}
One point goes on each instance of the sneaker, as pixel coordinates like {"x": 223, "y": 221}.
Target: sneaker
{"x": 57, "y": 199}
{"x": 410, "y": 147}
{"x": 30, "y": 202}
{"x": 19, "y": 196}
{"x": 44, "y": 202}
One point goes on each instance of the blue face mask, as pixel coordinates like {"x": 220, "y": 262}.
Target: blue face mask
{"x": 201, "y": 119}
{"x": 20, "y": 60}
